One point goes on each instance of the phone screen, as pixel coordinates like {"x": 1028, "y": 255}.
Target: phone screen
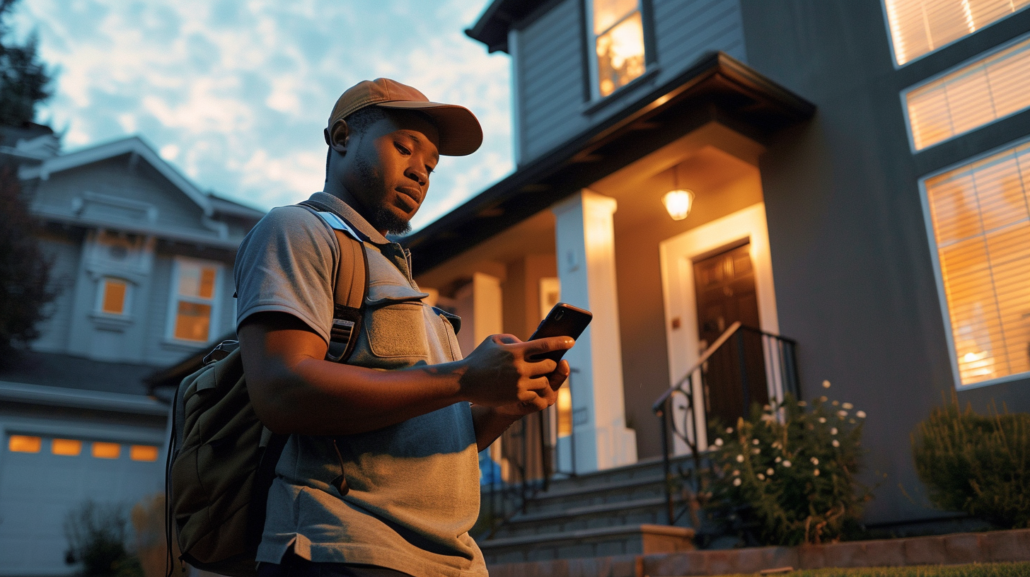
{"x": 564, "y": 320}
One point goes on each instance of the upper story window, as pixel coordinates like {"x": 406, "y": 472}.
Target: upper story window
{"x": 979, "y": 215}
{"x": 973, "y": 95}
{"x": 194, "y": 296}
{"x": 114, "y": 296}
{"x": 617, "y": 38}
{"x": 919, "y": 27}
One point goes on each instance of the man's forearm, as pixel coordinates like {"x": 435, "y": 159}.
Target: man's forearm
{"x": 489, "y": 424}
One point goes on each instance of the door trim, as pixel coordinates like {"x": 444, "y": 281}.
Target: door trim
{"x": 677, "y": 255}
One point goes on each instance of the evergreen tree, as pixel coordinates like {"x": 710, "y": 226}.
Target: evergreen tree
{"x": 24, "y": 80}
{"x": 25, "y": 288}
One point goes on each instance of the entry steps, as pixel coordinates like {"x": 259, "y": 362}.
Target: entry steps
{"x": 617, "y": 511}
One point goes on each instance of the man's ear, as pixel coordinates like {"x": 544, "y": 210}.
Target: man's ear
{"x": 338, "y": 136}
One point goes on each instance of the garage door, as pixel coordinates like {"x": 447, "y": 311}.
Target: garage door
{"x": 42, "y": 478}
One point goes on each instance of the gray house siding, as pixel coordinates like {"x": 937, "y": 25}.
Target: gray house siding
{"x": 552, "y": 76}
{"x": 855, "y": 283}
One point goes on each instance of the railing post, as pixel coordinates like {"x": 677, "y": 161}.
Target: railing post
{"x": 666, "y": 463}
{"x": 743, "y": 372}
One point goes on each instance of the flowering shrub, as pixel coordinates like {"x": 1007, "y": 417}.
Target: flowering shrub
{"x": 976, "y": 464}
{"x": 787, "y": 474}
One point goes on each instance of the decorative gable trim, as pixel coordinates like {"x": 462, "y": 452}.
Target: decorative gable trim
{"x": 132, "y": 145}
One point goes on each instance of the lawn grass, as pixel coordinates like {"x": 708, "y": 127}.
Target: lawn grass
{"x": 973, "y": 570}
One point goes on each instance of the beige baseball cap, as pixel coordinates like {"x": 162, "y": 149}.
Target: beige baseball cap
{"x": 460, "y": 132}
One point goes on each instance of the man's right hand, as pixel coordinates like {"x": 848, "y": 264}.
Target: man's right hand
{"x": 500, "y": 370}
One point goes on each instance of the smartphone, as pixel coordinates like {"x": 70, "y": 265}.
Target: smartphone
{"x": 564, "y": 320}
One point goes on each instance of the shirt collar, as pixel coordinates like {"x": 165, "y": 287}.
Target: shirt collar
{"x": 351, "y": 216}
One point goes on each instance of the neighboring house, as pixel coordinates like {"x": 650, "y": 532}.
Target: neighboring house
{"x": 860, "y": 173}
{"x": 143, "y": 263}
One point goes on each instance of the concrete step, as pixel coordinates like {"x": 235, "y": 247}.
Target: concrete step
{"x": 619, "y": 513}
{"x": 634, "y": 539}
{"x": 650, "y": 467}
{"x": 572, "y": 497}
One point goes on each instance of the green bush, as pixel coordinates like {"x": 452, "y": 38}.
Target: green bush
{"x": 96, "y": 535}
{"x": 788, "y": 473}
{"x": 977, "y": 464}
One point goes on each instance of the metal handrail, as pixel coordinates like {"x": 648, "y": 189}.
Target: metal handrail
{"x": 725, "y": 336}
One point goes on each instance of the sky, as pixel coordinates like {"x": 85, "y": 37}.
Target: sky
{"x": 235, "y": 94}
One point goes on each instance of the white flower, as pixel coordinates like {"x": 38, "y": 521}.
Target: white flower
{"x": 786, "y": 464}
{"x": 766, "y": 407}
{"x": 848, "y": 406}
{"x": 826, "y": 384}
{"x": 736, "y": 482}
{"x": 736, "y": 473}
{"x": 816, "y": 472}
{"x": 842, "y": 414}
{"x": 802, "y": 404}
{"x": 740, "y": 458}
{"x": 836, "y": 443}
{"x": 860, "y": 414}
{"x": 718, "y": 442}
{"x": 823, "y": 399}
{"x": 769, "y": 471}
{"x": 754, "y": 441}
{"x": 815, "y": 461}
{"x": 756, "y": 451}
{"x": 778, "y": 459}
{"x": 777, "y": 445}
{"x": 729, "y": 430}
{"x": 761, "y": 477}
{"x": 852, "y": 421}
{"x": 768, "y": 418}
{"x": 833, "y": 431}
{"x": 822, "y": 419}
{"x": 835, "y": 403}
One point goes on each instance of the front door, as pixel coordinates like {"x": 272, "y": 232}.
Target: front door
{"x": 735, "y": 375}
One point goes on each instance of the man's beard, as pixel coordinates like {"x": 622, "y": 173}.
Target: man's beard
{"x": 379, "y": 216}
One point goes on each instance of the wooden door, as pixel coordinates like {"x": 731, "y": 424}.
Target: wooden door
{"x": 735, "y": 376}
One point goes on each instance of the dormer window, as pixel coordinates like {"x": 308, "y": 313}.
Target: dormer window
{"x": 617, "y": 37}
{"x": 114, "y": 296}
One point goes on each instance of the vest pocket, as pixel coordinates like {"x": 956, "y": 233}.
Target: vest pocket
{"x": 394, "y": 322}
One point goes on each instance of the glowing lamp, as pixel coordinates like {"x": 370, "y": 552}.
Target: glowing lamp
{"x": 678, "y": 203}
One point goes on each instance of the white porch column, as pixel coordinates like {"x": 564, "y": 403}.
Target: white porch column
{"x": 586, "y": 266}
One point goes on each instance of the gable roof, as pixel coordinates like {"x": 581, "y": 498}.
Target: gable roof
{"x": 491, "y": 28}
{"x": 131, "y": 145}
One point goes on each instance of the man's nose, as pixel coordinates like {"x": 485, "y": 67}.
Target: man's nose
{"x": 417, "y": 174}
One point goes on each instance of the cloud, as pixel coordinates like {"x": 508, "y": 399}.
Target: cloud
{"x": 236, "y": 93}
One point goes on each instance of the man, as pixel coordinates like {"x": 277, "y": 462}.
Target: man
{"x": 380, "y": 474}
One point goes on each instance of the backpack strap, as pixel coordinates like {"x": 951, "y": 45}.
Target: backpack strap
{"x": 351, "y": 285}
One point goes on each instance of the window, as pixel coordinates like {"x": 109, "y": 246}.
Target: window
{"x": 146, "y": 453}
{"x": 564, "y": 405}
{"x": 970, "y": 97}
{"x": 24, "y": 444}
{"x": 617, "y": 38}
{"x": 66, "y": 447}
{"x": 918, "y": 27}
{"x": 106, "y": 450}
{"x": 980, "y": 224}
{"x": 193, "y": 300}
{"x": 113, "y": 296}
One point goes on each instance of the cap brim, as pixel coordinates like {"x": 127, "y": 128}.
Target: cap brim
{"x": 460, "y": 132}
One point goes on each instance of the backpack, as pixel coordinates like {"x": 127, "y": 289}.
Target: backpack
{"x": 221, "y": 459}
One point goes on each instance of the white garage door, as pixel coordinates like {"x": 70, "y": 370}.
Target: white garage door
{"x": 42, "y": 478}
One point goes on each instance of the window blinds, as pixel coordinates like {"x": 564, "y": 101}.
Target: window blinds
{"x": 921, "y": 26}
{"x": 981, "y": 224}
{"x": 970, "y": 97}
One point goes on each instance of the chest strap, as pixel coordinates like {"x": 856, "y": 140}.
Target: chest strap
{"x": 351, "y": 284}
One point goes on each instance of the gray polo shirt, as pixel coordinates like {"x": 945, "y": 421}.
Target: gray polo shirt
{"x": 414, "y": 486}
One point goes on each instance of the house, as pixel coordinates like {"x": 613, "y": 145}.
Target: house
{"x": 859, "y": 181}
{"x": 142, "y": 259}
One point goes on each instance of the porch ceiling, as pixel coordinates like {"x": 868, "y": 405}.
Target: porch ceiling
{"x": 717, "y": 88}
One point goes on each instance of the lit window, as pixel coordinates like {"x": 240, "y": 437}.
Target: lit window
{"x": 24, "y": 444}
{"x": 970, "y": 97}
{"x": 564, "y": 411}
{"x": 143, "y": 453}
{"x": 194, "y": 300}
{"x": 106, "y": 450}
{"x": 113, "y": 293}
{"x": 981, "y": 229}
{"x": 919, "y": 27}
{"x": 617, "y": 36}
{"x": 67, "y": 447}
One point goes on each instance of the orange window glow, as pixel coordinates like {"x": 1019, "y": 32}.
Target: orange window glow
{"x": 143, "y": 453}
{"x": 106, "y": 450}
{"x": 24, "y": 444}
{"x": 66, "y": 447}
{"x": 980, "y": 214}
{"x": 192, "y": 321}
{"x": 564, "y": 405}
{"x": 970, "y": 97}
{"x": 618, "y": 43}
{"x": 918, "y": 27}
{"x": 114, "y": 296}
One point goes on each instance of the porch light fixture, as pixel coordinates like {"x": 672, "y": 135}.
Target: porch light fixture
{"x": 678, "y": 201}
